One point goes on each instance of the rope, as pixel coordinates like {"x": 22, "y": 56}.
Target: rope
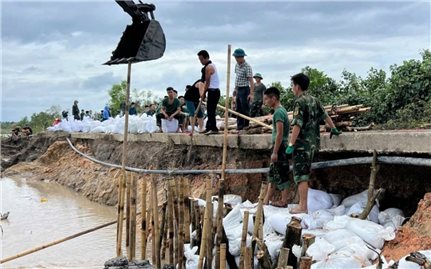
{"x": 317, "y": 165}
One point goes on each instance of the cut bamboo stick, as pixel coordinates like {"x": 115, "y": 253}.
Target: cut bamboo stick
{"x": 171, "y": 221}
{"x": 181, "y": 224}
{"x": 248, "y": 258}
{"x": 305, "y": 263}
{"x": 219, "y": 222}
{"x": 259, "y": 214}
{"x": 210, "y": 237}
{"x": 204, "y": 232}
{"x": 282, "y": 258}
{"x": 156, "y": 223}
{"x": 293, "y": 237}
{"x": 128, "y": 191}
{"x": 222, "y": 256}
{"x": 243, "y": 238}
{"x": 120, "y": 213}
{"x": 263, "y": 255}
{"x": 132, "y": 236}
{"x": 162, "y": 229}
{"x": 143, "y": 219}
{"x": 372, "y": 193}
{"x": 199, "y": 225}
{"x": 307, "y": 241}
{"x": 187, "y": 211}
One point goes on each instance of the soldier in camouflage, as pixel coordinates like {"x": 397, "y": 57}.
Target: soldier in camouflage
{"x": 305, "y": 139}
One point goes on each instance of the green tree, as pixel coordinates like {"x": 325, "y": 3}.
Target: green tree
{"x": 117, "y": 96}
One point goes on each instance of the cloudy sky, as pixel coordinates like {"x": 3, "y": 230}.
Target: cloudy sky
{"x": 52, "y": 51}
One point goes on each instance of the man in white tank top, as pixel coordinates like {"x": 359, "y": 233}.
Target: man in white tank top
{"x": 211, "y": 81}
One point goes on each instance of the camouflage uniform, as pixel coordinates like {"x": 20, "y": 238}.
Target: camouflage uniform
{"x": 307, "y": 114}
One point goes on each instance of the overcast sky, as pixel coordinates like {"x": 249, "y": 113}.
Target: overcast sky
{"x": 52, "y": 51}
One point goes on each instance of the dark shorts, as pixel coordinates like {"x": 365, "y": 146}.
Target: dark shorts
{"x": 256, "y": 109}
{"x": 279, "y": 171}
{"x": 191, "y": 107}
{"x": 302, "y": 158}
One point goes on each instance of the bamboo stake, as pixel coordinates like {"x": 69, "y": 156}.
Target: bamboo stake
{"x": 222, "y": 256}
{"x": 263, "y": 255}
{"x": 243, "y": 238}
{"x": 143, "y": 219}
{"x": 282, "y": 258}
{"x": 162, "y": 229}
{"x": 307, "y": 241}
{"x": 120, "y": 209}
{"x": 248, "y": 258}
{"x": 204, "y": 232}
{"x": 305, "y": 263}
{"x": 123, "y": 162}
{"x": 128, "y": 210}
{"x": 156, "y": 223}
{"x": 198, "y": 223}
{"x": 171, "y": 221}
{"x": 292, "y": 237}
{"x": 181, "y": 224}
{"x": 372, "y": 194}
{"x": 210, "y": 238}
{"x": 259, "y": 213}
{"x": 132, "y": 249}
{"x": 187, "y": 212}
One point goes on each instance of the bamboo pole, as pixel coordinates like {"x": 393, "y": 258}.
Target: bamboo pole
{"x": 181, "y": 223}
{"x": 263, "y": 255}
{"x": 307, "y": 241}
{"x": 123, "y": 162}
{"x": 243, "y": 238}
{"x": 162, "y": 229}
{"x": 143, "y": 219}
{"x": 248, "y": 258}
{"x": 282, "y": 258}
{"x": 198, "y": 221}
{"x": 30, "y": 251}
{"x": 222, "y": 256}
{"x": 245, "y": 117}
{"x": 372, "y": 194}
{"x": 204, "y": 232}
{"x": 156, "y": 223}
{"x": 305, "y": 262}
{"x": 259, "y": 214}
{"x": 187, "y": 211}
{"x": 171, "y": 221}
{"x": 128, "y": 191}
{"x": 132, "y": 236}
{"x": 210, "y": 238}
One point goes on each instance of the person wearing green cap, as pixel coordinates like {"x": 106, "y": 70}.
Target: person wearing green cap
{"x": 305, "y": 139}
{"x": 259, "y": 89}
{"x": 244, "y": 88}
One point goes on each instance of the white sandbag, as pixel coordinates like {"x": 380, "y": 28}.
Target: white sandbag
{"x": 357, "y": 208}
{"x": 336, "y": 199}
{"x": 232, "y": 199}
{"x": 279, "y": 222}
{"x": 372, "y": 233}
{"x": 98, "y": 129}
{"x": 191, "y": 258}
{"x": 316, "y": 219}
{"x": 353, "y": 199}
{"x": 338, "y": 211}
{"x": 336, "y": 262}
{"x": 391, "y": 217}
{"x": 339, "y": 222}
{"x": 232, "y": 224}
{"x": 318, "y": 199}
{"x": 320, "y": 249}
{"x": 169, "y": 126}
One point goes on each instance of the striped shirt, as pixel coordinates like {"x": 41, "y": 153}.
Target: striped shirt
{"x": 243, "y": 73}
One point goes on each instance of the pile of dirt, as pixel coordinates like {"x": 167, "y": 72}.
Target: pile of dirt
{"x": 414, "y": 235}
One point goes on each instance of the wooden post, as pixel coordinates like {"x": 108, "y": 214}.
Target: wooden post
{"x": 263, "y": 255}
{"x": 171, "y": 221}
{"x": 143, "y": 219}
{"x": 156, "y": 223}
{"x": 307, "y": 240}
{"x": 222, "y": 256}
{"x": 120, "y": 212}
{"x": 282, "y": 258}
{"x": 210, "y": 238}
{"x": 291, "y": 238}
{"x": 162, "y": 229}
{"x": 128, "y": 190}
{"x": 259, "y": 214}
{"x": 248, "y": 258}
{"x": 187, "y": 212}
{"x": 305, "y": 263}
{"x": 181, "y": 224}
{"x": 243, "y": 238}
{"x": 372, "y": 194}
{"x": 204, "y": 232}
{"x": 123, "y": 163}
{"x": 132, "y": 247}
{"x": 199, "y": 225}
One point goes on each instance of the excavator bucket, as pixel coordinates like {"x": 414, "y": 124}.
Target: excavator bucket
{"x": 143, "y": 40}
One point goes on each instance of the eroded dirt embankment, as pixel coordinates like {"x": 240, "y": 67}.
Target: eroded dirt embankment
{"x": 49, "y": 157}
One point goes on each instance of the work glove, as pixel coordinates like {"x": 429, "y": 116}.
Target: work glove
{"x": 290, "y": 149}
{"x": 334, "y": 131}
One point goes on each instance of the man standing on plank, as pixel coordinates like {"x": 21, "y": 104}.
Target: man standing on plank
{"x": 305, "y": 139}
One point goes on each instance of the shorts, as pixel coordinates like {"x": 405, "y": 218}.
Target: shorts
{"x": 302, "y": 159}
{"x": 279, "y": 171}
{"x": 191, "y": 107}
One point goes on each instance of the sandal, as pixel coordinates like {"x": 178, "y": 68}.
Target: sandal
{"x": 279, "y": 204}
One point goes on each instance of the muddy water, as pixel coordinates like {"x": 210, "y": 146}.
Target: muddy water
{"x": 42, "y": 212}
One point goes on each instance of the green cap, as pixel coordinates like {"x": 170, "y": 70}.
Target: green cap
{"x": 258, "y": 75}
{"x": 239, "y": 53}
